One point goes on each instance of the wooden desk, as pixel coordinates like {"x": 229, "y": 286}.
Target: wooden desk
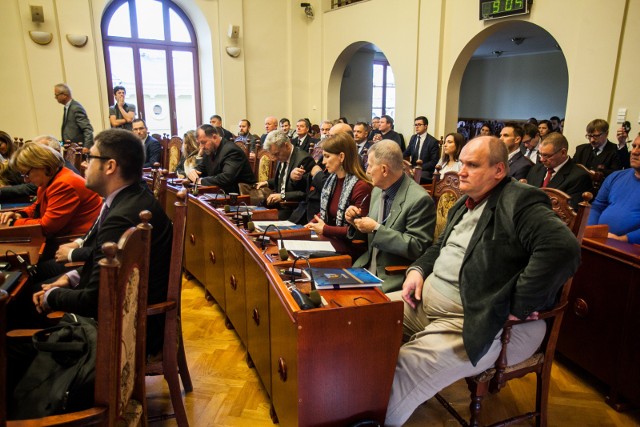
{"x": 30, "y": 250}
{"x": 326, "y": 366}
{"x": 601, "y": 327}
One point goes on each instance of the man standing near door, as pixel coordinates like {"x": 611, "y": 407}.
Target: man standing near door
{"x": 75, "y": 123}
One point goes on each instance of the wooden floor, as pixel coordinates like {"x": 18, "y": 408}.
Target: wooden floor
{"x": 228, "y": 393}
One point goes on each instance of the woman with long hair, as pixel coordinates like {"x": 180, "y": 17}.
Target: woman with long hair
{"x": 449, "y": 162}
{"x": 544, "y": 129}
{"x": 189, "y": 153}
{"x": 346, "y": 185}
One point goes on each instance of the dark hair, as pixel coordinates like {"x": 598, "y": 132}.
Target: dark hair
{"x": 343, "y": 120}
{"x": 387, "y": 118}
{"x": 216, "y": 116}
{"x": 599, "y": 125}
{"x": 125, "y": 148}
{"x": 517, "y": 129}
{"x": 486, "y": 124}
{"x": 139, "y": 120}
{"x": 424, "y": 120}
{"x": 546, "y": 122}
{"x": 283, "y": 120}
{"x": 556, "y": 118}
{"x": 248, "y": 122}
{"x": 117, "y": 88}
{"x": 365, "y": 124}
{"x": 530, "y": 129}
{"x": 458, "y": 140}
{"x": 210, "y": 130}
{"x": 306, "y": 121}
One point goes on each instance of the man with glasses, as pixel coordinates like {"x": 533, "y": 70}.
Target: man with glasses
{"x": 530, "y": 141}
{"x": 423, "y": 146}
{"x": 75, "y": 123}
{"x": 599, "y": 154}
{"x": 152, "y": 148}
{"x": 557, "y": 170}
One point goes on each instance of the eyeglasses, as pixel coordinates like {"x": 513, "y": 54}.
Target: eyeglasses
{"x": 26, "y": 175}
{"x": 593, "y": 135}
{"x": 87, "y": 157}
{"x": 418, "y": 124}
{"x": 55, "y": 95}
{"x": 548, "y": 156}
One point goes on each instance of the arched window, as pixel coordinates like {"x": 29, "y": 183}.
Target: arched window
{"x": 150, "y": 48}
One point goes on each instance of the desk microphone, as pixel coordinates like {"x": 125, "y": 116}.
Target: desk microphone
{"x": 284, "y": 255}
{"x": 303, "y": 301}
{"x": 31, "y": 269}
{"x": 194, "y": 190}
{"x": 237, "y": 215}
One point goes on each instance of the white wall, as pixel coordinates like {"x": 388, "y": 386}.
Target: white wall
{"x": 515, "y": 87}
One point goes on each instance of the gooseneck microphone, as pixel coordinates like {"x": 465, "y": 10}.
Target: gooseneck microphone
{"x": 303, "y": 301}
{"x": 31, "y": 269}
{"x": 284, "y": 255}
{"x": 236, "y": 217}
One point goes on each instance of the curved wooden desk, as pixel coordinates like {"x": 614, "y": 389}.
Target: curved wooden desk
{"x": 327, "y": 366}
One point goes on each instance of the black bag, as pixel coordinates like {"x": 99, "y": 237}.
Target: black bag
{"x": 61, "y": 378}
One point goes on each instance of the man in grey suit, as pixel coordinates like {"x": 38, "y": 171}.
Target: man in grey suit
{"x": 519, "y": 165}
{"x": 75, "y": 123}
{"x": 402, "y": 216}
{"x": 503, "y": 255}
{"x": 557, "y": 170}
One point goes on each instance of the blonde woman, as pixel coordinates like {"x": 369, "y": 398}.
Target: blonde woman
{"x": 189, "y": 153}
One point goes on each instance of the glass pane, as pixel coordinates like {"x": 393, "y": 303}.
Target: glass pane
{"x": 376, "y": 112}
{"x": 154, "y": 86}
{"x": 390, "y": 80}
{"x": 184, "y": 90}
{"x": 122, "y": 72}
{"x": 377, "y": 74}
{"x": 150, "y": 20}
{"x": 391, "y": 97}
{"x": 179, "y": 31}
{"x": 376, "y": 99}
{"x": 390, "y": 112}
{"x": 120, "y": 24}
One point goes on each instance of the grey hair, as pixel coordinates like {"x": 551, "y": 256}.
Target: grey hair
{"x": 276, "y": 137}
{"x": 64, "y": 88}
{"x": 388, "y": 151}
{"x": 49, "y": 141}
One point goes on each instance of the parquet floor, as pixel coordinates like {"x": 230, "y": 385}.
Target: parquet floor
{"x": 228, "y": 393}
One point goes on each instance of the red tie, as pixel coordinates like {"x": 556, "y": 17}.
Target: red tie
{"x": 547, "y": 178}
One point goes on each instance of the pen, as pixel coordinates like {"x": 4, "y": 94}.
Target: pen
{"x": 362, "y": 203}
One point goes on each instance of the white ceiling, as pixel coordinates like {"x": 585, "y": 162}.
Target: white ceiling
{"x": 537, "y": 40}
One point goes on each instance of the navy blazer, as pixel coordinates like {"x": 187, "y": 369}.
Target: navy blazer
{"x": 152, "y": 151}
{"x": 607, "y": 161}
{"x": 294, "y": 190}
{"x": 306, "y": 144}
{"x": 519, "y": 256}
{"x": 519, "y": 166}
{"x": 429, "y": 154}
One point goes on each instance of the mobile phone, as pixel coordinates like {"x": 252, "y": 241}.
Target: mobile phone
{"x": 626, "y": 125}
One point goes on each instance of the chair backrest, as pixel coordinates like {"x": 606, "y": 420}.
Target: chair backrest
{"x": 243, "y": 146}
{"x": 171, "y": 154}
{"x": 177, "y": 251}
{"x": 575, "y": 220}
{"x": 159, "y": 185}
{"x": 445, "y": 193}
{"x": 265, "y": 165}
{"x": 122, "y": 320}
{"x": 596, "y": 176}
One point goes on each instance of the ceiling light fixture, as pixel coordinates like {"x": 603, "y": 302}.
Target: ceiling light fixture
{"x": 518, "y": 40}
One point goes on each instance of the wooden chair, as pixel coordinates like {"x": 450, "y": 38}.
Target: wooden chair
{"x": 445, "y": 193}
{"x": 597, "y": 177}
{"x": 265, "y": 165}
{"x": 119, "y": 397}
{"x": 4, "y": 298}
{"x": 492, "y": 380}
{"x": 171, "y": 154}
{"x": 173, "y": 362}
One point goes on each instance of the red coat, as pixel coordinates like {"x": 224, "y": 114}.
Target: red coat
{"x": 65, "y": 206}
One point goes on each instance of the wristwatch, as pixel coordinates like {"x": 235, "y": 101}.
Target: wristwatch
{"x": 282, "y": 196}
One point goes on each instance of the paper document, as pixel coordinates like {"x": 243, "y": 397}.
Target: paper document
{"x": 308, "y": 245}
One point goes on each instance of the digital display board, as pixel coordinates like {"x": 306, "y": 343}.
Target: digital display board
{"x": 492, "y": 9}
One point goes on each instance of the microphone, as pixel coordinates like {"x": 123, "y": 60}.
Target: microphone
{"x": 31, "y": 269}
{"x": 194, "y": 190}
{"x": 303, "y": 301}
{"x": 284, "y": 255}
{"x": 237, "y": 215}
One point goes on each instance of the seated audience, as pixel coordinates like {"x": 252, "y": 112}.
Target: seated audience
{"x": 385, "y": 128}
{"x": 494, "y": 262}
{"x": 54, "y": 144}
{"x": 544, "y": 129}
{"x": 486, "y": 130}
{"x": 557, "y": 170}
{"x": 284, "y": 188}
{"x": 599, "y": 154}
{"x": 216, "y": 121}
{"x": 401, "y": 219}
{"x": 189, "y": 152}
{"x": 152, "y": 147}
{"x": 10, "y": 177}
{"x": 449, "y": 162}
{"x": 220, "y": 161}
{"x": 618, "y": 201}
{"x": 270, "y": 123}
{"x": 64, "y": 205}
{"x": 114, "y": 170}
{"x": 511, "y": 134}
{"x": 423, "y": 146}
{"x": 302, "y": 139}
{"x": 245, "y": 136}
{"x": 345, "y": 185}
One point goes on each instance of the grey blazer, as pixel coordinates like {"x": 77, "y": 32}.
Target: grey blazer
{"x": 76, "y": 126}
{"x": 404, "y": 236}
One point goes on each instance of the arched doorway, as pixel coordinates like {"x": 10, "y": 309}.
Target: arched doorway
{"x": 364, "y": 79}
{"x": 510, "y": 71}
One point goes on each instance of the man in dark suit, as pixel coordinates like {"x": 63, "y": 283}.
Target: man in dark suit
{"x": 75, "y": 123}
{"x": 511, "y": 134}
{"x": 557, "y": 170}
{"x": 401, "y": 219}
{"x": 386, "y": 132}
{"x": 599, "y": 154}
{"x": 152, "y": 147}
{"x": 360, "y": 136}
{"x": 114, "y": 170}
{"x": 503, "y": 255}
{"x": 216, "y": 121}
{"x": 220, "y": 162}
{"x": 289, "y": 157}
{"x": 270, "y": 123}
{"x": 424, "y": 147}
{"x": 303, "y": 140}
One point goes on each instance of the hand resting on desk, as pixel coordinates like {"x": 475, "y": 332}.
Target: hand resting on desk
{"x": 62, "y": 254}
{"x": 38, "y": 297}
